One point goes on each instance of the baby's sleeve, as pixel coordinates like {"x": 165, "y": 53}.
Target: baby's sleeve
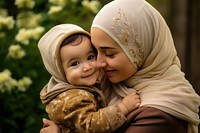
{"x": 78, "y": 111}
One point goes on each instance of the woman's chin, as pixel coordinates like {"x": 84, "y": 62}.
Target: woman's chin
{"x": 113, "y": 80}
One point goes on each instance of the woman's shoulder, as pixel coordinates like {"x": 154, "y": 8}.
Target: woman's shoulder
{"x": 151, "y": 120}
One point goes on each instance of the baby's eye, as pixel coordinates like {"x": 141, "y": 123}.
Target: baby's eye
{"x": 76, "y": 63}
{"x": 91, "y": 57}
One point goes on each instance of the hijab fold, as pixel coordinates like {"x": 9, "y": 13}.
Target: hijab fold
{"x": 144, "y": 36}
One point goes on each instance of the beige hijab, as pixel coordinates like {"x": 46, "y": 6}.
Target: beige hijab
{"x": 49, "y": 47}
{"x": 142, "y": 33}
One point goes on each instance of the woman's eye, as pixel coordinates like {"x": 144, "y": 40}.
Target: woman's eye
{"x": 75, "y": 63}
{"x": 110, "y": 55}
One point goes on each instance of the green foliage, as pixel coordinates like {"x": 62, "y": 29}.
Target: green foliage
{"x": 21, "y": 110}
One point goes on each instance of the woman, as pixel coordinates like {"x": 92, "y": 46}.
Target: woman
{"x": 136, "y": 50}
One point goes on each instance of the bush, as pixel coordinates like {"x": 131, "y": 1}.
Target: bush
{"x": 22, "y": 74}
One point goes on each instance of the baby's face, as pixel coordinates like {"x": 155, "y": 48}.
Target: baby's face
{"x": 79, "y": 63}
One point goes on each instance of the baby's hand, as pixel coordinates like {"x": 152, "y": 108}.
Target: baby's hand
{"x": 49, "y": 127}
{"x": 130, "y": 103}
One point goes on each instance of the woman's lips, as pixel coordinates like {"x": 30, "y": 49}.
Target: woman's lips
{"x": 109, "y": 72}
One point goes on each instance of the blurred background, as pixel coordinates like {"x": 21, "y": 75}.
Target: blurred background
{"x": 22, "y": 74}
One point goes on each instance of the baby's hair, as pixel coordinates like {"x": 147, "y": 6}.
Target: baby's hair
{"x": 72, "y": 39}
{"x": 76, "y": 38}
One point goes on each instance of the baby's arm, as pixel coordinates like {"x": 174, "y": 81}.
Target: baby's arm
{"x": 129, "y": 103}
{"x": 78, "y": 111}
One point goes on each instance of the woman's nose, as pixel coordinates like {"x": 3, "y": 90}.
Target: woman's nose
{"x": 101, "y": 62}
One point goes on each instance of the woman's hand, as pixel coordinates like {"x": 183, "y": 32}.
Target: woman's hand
{"x": 49, "y": 127}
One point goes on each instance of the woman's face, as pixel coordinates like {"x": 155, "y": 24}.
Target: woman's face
{"x": 111, "y": 57}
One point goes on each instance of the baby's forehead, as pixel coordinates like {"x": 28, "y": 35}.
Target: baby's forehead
{"x": 80, "y": 43}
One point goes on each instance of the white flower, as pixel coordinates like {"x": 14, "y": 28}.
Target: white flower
{"x": 24, "y": 83}
{"x": 91, "y": 5}
{"x": 54, "y": 9}
{"x": 7, "y": 83}
{"x": 61, "y": 3}
{"x": 24, "y": 35}
{"x": 7, "y": 22}
{"x": 36, "y": 32}
{"x": 16, "y": 52}
{"x": 25, "y": 3}
{"x": 4, "y": 76}
{"x": 28, "y": 19}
